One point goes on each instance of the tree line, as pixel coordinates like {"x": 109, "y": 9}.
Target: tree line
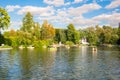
{"x": 32, "y": 33}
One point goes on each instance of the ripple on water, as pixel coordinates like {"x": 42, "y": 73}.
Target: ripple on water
{"x": 72, "y": 64}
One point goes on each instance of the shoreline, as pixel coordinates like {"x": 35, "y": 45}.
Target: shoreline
{"x": 70, "y": 46}
{"x": 5, "y": 49}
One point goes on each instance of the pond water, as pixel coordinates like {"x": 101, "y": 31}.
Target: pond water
{"x": 64, "y": 64}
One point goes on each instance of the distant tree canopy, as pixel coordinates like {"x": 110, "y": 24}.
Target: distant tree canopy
{"x": 47, "y": 31}
{"x": 28, "y": 22}
{"x": 35, "y": 31}
{"x": 118, "y": 42}
{"x": 60, "y": 35}
{"x": 32, "y": 33}
{"x": 92, "y": 36}
{"x": 4, "y": 23}
{"x": 4, "y": 19}
{"x": 72, "y": 34}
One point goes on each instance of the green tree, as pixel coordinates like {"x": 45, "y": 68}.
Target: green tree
{"x": 11, "y": 38}
{"x": 100, "y": 34}
{"x": 92, "y": 36}
{"x": 114, "y": 38}
{"x": 82, "y": 34}
{"x": 35, "y": 31}
{"x": 2, "y": 39}
{"x": 28, "y": 22}
{"x": 47, "y": 31}
{"x": 20, "y": 35}
{"x": 4, "y": 19}
{"x": 60, "y": 35}
{"x": 76, "y": 37}
{"x": 72, "y": 34}
{"x": 4, "y": 23}
{"x": 118, "y": 42}
{"x": 107, "y": 34}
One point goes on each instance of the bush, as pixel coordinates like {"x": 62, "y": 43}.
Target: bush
{"x": 40, "y": 43}
{"x": 5, "y": 46}
{"x": 2, "y": 39}
{"x": 70, "y": 43}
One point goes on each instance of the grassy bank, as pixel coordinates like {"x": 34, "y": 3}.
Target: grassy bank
{"x": 5, "y": 47}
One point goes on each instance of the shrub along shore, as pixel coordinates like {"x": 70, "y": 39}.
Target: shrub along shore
{"x": 5, "y": 47}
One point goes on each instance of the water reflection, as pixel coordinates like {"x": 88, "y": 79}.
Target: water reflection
{"x": 9, "y": 65}
{"x": 64, "y": 64}
{"x": 37, "y": 64}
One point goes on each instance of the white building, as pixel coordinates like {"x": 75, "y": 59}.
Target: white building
{"x": 84, "y": 41}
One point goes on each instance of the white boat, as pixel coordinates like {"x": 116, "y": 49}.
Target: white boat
{"x": 94, "y": 49}
{"x": 68, "y": 47}
{"x": 30, "y": 47}
{"x": 21, "y": 47}
{"x": 52, "y": 48}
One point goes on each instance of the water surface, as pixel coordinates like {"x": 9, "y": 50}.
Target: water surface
{"x": 64, "y": 64}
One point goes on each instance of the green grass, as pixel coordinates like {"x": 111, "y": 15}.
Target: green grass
{"x": 5, "y": 46}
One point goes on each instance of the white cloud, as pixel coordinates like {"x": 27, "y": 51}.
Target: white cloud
{"x": 68, "y": 3}
{"x": 113, "y": 4}
{"x": 114, "y": 16}
{"x": 54, "y": 2}
{"x": 112, "y": 19}
{"x": 41, "y": 11}
{"x": 77, "y": 1}
{"x": 15, "y": 25}
{"x": 83, "y": 9}
{"x": 62, "y": 13}
{"x": 57, "y": 3}
{"x": 83, "y": 21}
{"x": 73, "y": 15}
{"x": 103, "y": 19}
{"x": 11, "y": 8}
{"x": 51, "y": 18}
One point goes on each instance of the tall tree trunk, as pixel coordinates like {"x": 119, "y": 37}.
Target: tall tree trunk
{"x": 0, "y": 31}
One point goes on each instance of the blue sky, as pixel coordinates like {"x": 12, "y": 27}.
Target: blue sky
{"x": 82, "y": 13}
